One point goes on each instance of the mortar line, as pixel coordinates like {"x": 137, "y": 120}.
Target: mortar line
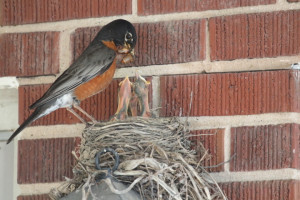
{"x": 259, "y": 175}
{"x": 213, "y": 122}
{"x": 134, "y": 7}
{"x": 227, "y": 148}
{"x": 65, "y": 52}
{"x": 156, "y": 94}
{"x": 37, "y": 188}
{"x": 52, "y": 131}
{"x": 197, "y": 67}
{"x": 207, "y": 47}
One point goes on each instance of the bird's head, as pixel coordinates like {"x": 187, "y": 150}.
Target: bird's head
{"x": 121, "y": 33}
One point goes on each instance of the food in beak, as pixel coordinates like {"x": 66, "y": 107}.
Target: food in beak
{"x": 128, "y": 58}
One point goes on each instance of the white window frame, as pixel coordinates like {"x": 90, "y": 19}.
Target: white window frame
{"x": 8, "y": 123}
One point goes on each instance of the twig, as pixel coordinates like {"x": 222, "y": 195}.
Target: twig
{"x": 114, "y": 190}
{"x": 166, "y": 187}
{"x": 220, "y": 190}
{"x": 85, "y": 195}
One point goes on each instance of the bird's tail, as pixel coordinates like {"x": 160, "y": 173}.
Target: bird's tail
{"x": 35, "y": 115}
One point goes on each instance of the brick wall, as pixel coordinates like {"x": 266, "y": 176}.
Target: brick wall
{"x": 228, "y": 60}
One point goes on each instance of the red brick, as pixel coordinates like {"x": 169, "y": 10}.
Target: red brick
{"x": 35, "y": 11}
{"x": 34, "y": 197}
{"x": 158, "y": 43}
{"x": 262, "y": 190}
{"x": 213, "y": 141}
{"x": 101, "y": 106}
{"x": 265, "y": 147}
{"x": 170, "y": 42}
{"x": 146, "y": 7}
{"x": 81, "y": 38}
{"x": 29, "y": 54}
{"x": 255, "y": 35}
{"x": 45, "y": 160}
{"x": 230, "y": 93}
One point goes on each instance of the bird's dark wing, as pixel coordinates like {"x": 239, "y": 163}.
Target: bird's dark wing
{"x": 95, "y": 60}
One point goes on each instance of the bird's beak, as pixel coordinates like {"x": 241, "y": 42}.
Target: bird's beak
{"x": 124, "y": 80}
{"x": 125, "y": 49}
{"x": 129, "y": 57}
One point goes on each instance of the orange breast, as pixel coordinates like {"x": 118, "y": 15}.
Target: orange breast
{"x": 96, "y": 84}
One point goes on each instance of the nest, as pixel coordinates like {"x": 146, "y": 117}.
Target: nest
{"x": 156, "y": 160}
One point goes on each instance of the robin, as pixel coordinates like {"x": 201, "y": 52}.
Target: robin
{"x": 124, "y": 96}
{"x": 90, "y": 73}
{"x": 140, "y": 91}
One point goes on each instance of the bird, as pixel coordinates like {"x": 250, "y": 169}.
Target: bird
{"x": 124, "y": 96}
{"x": 89, "y": 74}
{"x": 140, "y": 91}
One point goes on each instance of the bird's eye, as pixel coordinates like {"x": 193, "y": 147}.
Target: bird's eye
{"x": 128, "y": 36}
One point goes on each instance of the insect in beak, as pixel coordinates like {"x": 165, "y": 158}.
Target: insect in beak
{"x": 129, "y": 57}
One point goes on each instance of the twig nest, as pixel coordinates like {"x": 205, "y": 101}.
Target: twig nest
{"x": 156, "y": 159}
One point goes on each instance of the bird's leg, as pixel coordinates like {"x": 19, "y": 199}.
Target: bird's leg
{"x": 83, "y": 111}
{"x": 70, "y": 109}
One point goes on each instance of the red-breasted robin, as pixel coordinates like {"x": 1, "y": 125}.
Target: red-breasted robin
{"x": 91, "y": 72}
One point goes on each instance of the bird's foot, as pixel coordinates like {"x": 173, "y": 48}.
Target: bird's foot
{"x": 94, "y": 121}
{"x": 71, "y": 110}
